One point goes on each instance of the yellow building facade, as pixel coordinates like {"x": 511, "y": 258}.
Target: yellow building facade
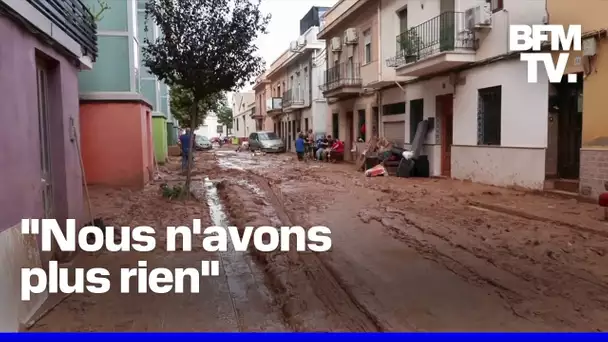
{"x": 591, "y": 14}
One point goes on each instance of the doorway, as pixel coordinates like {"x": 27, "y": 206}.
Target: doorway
{"x": 350, "y": 125}
{"x": 335, "y": 125}
{"x": 445, "y": 113}
{"x": 447, "y": 25}
{"x": 375, "y": 121}
{"x": 362, "y": 126}
{"x": 570, "y": 126}
{"x": 42, "y": 75}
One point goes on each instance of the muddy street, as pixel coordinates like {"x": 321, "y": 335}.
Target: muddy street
{"x": 407, "y": 255}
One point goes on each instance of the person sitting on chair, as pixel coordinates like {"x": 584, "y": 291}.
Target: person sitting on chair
{"x": 336, "y": 152}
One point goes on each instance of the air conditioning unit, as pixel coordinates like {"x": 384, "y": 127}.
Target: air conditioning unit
{"x": 336, "y": 44}
{"x": 293, "y": 46}
{"x": 350, "y": 36}
{"x": 478, "y": 17}
{"x": 301, "y": 41}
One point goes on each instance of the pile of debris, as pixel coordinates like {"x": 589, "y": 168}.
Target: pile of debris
{"x": 381, "y": 157}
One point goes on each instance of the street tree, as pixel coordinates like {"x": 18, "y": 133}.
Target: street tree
{"x": 224, "y": 116}
{"x": 182, "y": 102}
{"x": 206, "y": 47}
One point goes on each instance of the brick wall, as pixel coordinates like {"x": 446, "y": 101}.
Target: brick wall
{"x": 594, "y": 172}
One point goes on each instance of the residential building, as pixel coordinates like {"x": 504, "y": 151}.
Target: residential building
{"x": 116, "y": 101}
{"x": 243, "y": 105}
{"x": 211, "y": 127}
{"x": 276, "y": 76}
{"x": 351, "y": 80}
{"x": 40, "y": 164}
{"x": 580, "y": 147}
{"x": 295, "y": 78}
{"x": 449, "y": 62}
{"x": 164, "y": 130}
{"x": 263, "y": 101}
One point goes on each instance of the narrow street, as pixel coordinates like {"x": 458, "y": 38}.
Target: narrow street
{"x": 407, "y": 255}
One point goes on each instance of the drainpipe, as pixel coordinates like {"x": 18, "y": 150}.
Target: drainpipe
{"x": 509, "y": 25}
{"x": 379, "y": 40}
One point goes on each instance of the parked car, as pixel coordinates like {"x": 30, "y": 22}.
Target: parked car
{"x": 266, "y": 142}
{"x": 202, "y": 143}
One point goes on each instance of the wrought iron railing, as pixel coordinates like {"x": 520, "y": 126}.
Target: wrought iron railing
{"x": 74, "y": 18}
{"x": 342, "y": 75}
{"x": 274, "y": 104}
{"x": 293, "y": 97}
{"x": 443, "y": 33}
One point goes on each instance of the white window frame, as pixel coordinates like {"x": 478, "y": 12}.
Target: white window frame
{"x": 367, "y": 36}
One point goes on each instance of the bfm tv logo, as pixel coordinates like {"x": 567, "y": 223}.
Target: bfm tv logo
{"x": 526, "y": 38}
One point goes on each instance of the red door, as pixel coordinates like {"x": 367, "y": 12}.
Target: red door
{"x": 446, "y": 117}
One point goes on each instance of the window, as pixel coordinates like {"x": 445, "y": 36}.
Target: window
{"x": 306, "y": 125}
{"x": 367, "y": 36}
{"x": 267, "y": 136}
{"x": 489, "y": 116}
{"x": 393, "y": 108}
{"x": 496, "y": 5}
{"x": 416, "y": 116}
{"x": 237, "y": 124}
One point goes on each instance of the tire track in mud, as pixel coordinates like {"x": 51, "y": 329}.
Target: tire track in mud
{"x": 315, "y": 260}
{"x": 312, "y": 298}
{"x": 522, "y": 292}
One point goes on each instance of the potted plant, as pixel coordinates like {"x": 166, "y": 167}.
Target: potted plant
{"x": 409, "y": 45}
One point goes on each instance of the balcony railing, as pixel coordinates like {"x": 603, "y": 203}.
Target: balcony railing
{"x": 342, "y": 75}
{"x": 274, "y": 104}
{"x": 293, "y": 97}
{"x": 443, "y": 33}
{"x": 74, "y": 18}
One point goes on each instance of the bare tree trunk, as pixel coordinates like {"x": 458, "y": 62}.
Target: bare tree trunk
{"x": 193, "y": 120}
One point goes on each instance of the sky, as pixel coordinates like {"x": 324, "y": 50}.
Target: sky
{"x": 284, "y": 26}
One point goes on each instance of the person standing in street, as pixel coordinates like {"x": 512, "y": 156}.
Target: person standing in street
{"x": 184, "y": 141}
{"x": 300, "y": 147}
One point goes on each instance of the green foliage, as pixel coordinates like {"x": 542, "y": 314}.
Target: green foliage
{"x": 182, "y": 105}
{"x": 224, "y": 116}
{"x": 205, "y": 48}
{"x": 172, "y": 192}
{"x": 409, "y": 43}
{"x": 98, "y": 13}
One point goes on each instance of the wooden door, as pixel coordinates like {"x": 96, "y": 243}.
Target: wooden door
{"x": 446, "y": 119}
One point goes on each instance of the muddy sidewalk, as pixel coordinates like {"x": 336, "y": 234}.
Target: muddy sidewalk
{"x": 237, "y": 300}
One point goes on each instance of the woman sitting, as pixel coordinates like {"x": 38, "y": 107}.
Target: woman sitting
{"x": 336, "y": 153}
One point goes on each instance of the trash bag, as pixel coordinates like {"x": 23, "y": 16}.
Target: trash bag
{"x": 405, "y": 168}
{"x": 378, "y": 170}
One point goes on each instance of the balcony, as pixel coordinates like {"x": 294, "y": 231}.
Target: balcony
{"x": 293, "y": 99}
{"x": 274, "y": 106}
{"x": 342, "y": 81}
{"x": 70, "y": 16}
{"x": 254, "y": 114}
{"x": 437, "y": 45}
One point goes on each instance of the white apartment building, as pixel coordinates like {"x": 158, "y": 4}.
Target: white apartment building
{"x": 447, "y": 60}
{"x": 243, "y": 111}
{"x": 211, "y": 127}
{"x": 296, "y": 77}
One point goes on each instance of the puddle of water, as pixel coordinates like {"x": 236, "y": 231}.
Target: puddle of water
{"x": 243, "y": 161}
{"x": 216, "y": 209}
{"x": 251, "y": 187}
